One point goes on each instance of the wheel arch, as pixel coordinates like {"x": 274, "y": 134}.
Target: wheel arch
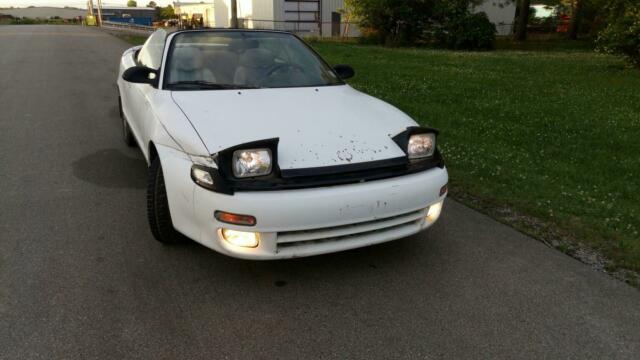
{"x": 152, "y": 151}
{"x": 179, "y": 187}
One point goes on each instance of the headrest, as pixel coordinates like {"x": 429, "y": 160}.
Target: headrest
{"x": 252, "y": 44}
{"x": 240, "y": 45}
{"x": 235, "y": 45}
{"x": 187, "y": 58}
{"x": 257, "y": 58}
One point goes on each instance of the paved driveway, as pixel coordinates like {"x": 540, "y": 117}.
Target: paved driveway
{"x": 81, "y": 276}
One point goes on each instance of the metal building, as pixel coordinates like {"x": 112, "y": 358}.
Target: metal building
{"x": 306, "y": 17}
{"x": 130, "y": 15}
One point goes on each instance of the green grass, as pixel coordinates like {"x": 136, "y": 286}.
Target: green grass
{"x": 544, "y": 43}
{"x": 544, "y": 135}
{"x": 130, "y": 38}
{"x": 551, "y": 135}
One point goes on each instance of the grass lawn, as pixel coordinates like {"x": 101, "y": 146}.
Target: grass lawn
{"x": 548, "y": 141}
{"x": 130, "y": 38}
{"x": 552, "y": 135}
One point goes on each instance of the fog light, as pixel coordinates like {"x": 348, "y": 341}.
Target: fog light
{"x": 434, "y": 211}
{"x": 241, "y": 238}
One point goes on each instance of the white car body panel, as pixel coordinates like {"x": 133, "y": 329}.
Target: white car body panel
{"x": 316, "y": 127}
{"x": 323, "y": 210}
{"x": 324, "y": 126}
{"x": 153, "y": 116}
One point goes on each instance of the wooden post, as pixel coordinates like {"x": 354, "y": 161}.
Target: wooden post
{"x": 99, "y": 22}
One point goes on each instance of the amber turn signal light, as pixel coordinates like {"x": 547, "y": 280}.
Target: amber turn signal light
{"x": 235, "y": 219}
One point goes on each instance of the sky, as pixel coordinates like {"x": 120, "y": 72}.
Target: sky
{"x": 75, "y": 3}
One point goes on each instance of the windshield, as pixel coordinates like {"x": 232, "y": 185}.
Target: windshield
{"x": 243, "y": 60}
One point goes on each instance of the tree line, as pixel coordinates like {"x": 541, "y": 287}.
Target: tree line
{"x": 613, "y": 25}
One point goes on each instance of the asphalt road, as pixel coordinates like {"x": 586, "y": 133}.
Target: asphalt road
{"x": 81, "y": 276}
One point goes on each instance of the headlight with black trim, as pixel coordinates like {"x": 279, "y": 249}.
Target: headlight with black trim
{"x": 421, "y": 145}
{"x": 251, "y": 162}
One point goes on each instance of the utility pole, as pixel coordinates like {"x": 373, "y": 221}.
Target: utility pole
{"x": 320, "y": 17}
{"x": 234, "y": 14}
{"x": 90, "y": 6}
{"x": 99, "y": 12}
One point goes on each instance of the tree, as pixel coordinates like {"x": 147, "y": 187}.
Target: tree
{"x": 449, "y": 23}
{"x": 393, "y": 21}
{"x": 152, "y": 4}
{"x": 523, "y": 19}
{"x": 621, "y": 36}
{"x": 576, "y": 19}
{"x": 132, "y": 3}
{"x": 166, "y": 12}
{"x": 588, "y": 17}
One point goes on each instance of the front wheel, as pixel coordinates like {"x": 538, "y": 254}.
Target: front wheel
{"x": 158, "y": 207}
{"x": 126, "y": 130}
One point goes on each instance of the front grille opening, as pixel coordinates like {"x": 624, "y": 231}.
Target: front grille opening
{"x": 291, "y": 239}
{"x": 291, "y": 245}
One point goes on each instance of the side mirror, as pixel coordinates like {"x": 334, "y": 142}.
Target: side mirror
{"x": 344, "y": 71}
{"x": 141, "y": 75}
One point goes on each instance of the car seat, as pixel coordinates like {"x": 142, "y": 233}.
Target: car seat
{"x": 253, "y": 67}
{"x": 187, "y": 64}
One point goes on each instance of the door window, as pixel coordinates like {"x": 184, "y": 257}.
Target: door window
{"x": 151, "y": 53}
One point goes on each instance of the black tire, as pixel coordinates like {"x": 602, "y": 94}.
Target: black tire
{"x": 158, "y": 207}
{"x": 126, "y": 130}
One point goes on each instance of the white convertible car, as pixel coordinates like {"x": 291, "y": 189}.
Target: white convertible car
{"x": 259, "y": 150}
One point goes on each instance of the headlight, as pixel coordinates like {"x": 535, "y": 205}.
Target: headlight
{"x": 252, "y": 162}
{"x": 421, "y": 145}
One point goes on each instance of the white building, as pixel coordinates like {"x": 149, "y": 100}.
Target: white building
{"x": 204, "y": 10}
{"x": 314, "y": 17}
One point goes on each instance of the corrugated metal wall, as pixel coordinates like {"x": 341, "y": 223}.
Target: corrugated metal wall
{"x": 329, "y": 7}
{"x": 255, "y": 9}
{"x": 257, "y": 14}
{"x": 291, "y": 15}
{"x": 299, "y": 15}
{"x": 221, "y": 13}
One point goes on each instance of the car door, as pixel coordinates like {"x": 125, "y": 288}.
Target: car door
{"x": 150, "y": 55}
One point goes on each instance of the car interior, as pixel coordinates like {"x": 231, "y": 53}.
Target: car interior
{"x": 245, "y": 62}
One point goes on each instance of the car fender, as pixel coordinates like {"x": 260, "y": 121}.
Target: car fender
{"x": 171, "y": 127}
{"x": 176, "y": 169}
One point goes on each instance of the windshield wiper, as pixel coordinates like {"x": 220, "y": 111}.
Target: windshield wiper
{"x": 200, "y": 84}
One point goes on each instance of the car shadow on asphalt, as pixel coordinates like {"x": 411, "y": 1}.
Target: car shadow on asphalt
{"x": 112, "y": 169}
{"x": 384, "y": 259}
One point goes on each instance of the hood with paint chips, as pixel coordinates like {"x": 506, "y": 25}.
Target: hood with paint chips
{"x": 325, "y": 126}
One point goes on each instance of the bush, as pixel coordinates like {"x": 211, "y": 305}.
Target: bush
{"x": 622, "y": 34}
{"x": 447, "y": 23}
{"x": 467, "y": 32}
{"x": 23, "y": 21}
{"x": 393, "y": 22}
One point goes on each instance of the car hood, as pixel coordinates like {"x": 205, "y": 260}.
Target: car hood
{"x": 324, "y": 126}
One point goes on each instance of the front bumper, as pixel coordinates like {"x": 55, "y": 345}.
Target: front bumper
{"x": 305, "y": 222}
